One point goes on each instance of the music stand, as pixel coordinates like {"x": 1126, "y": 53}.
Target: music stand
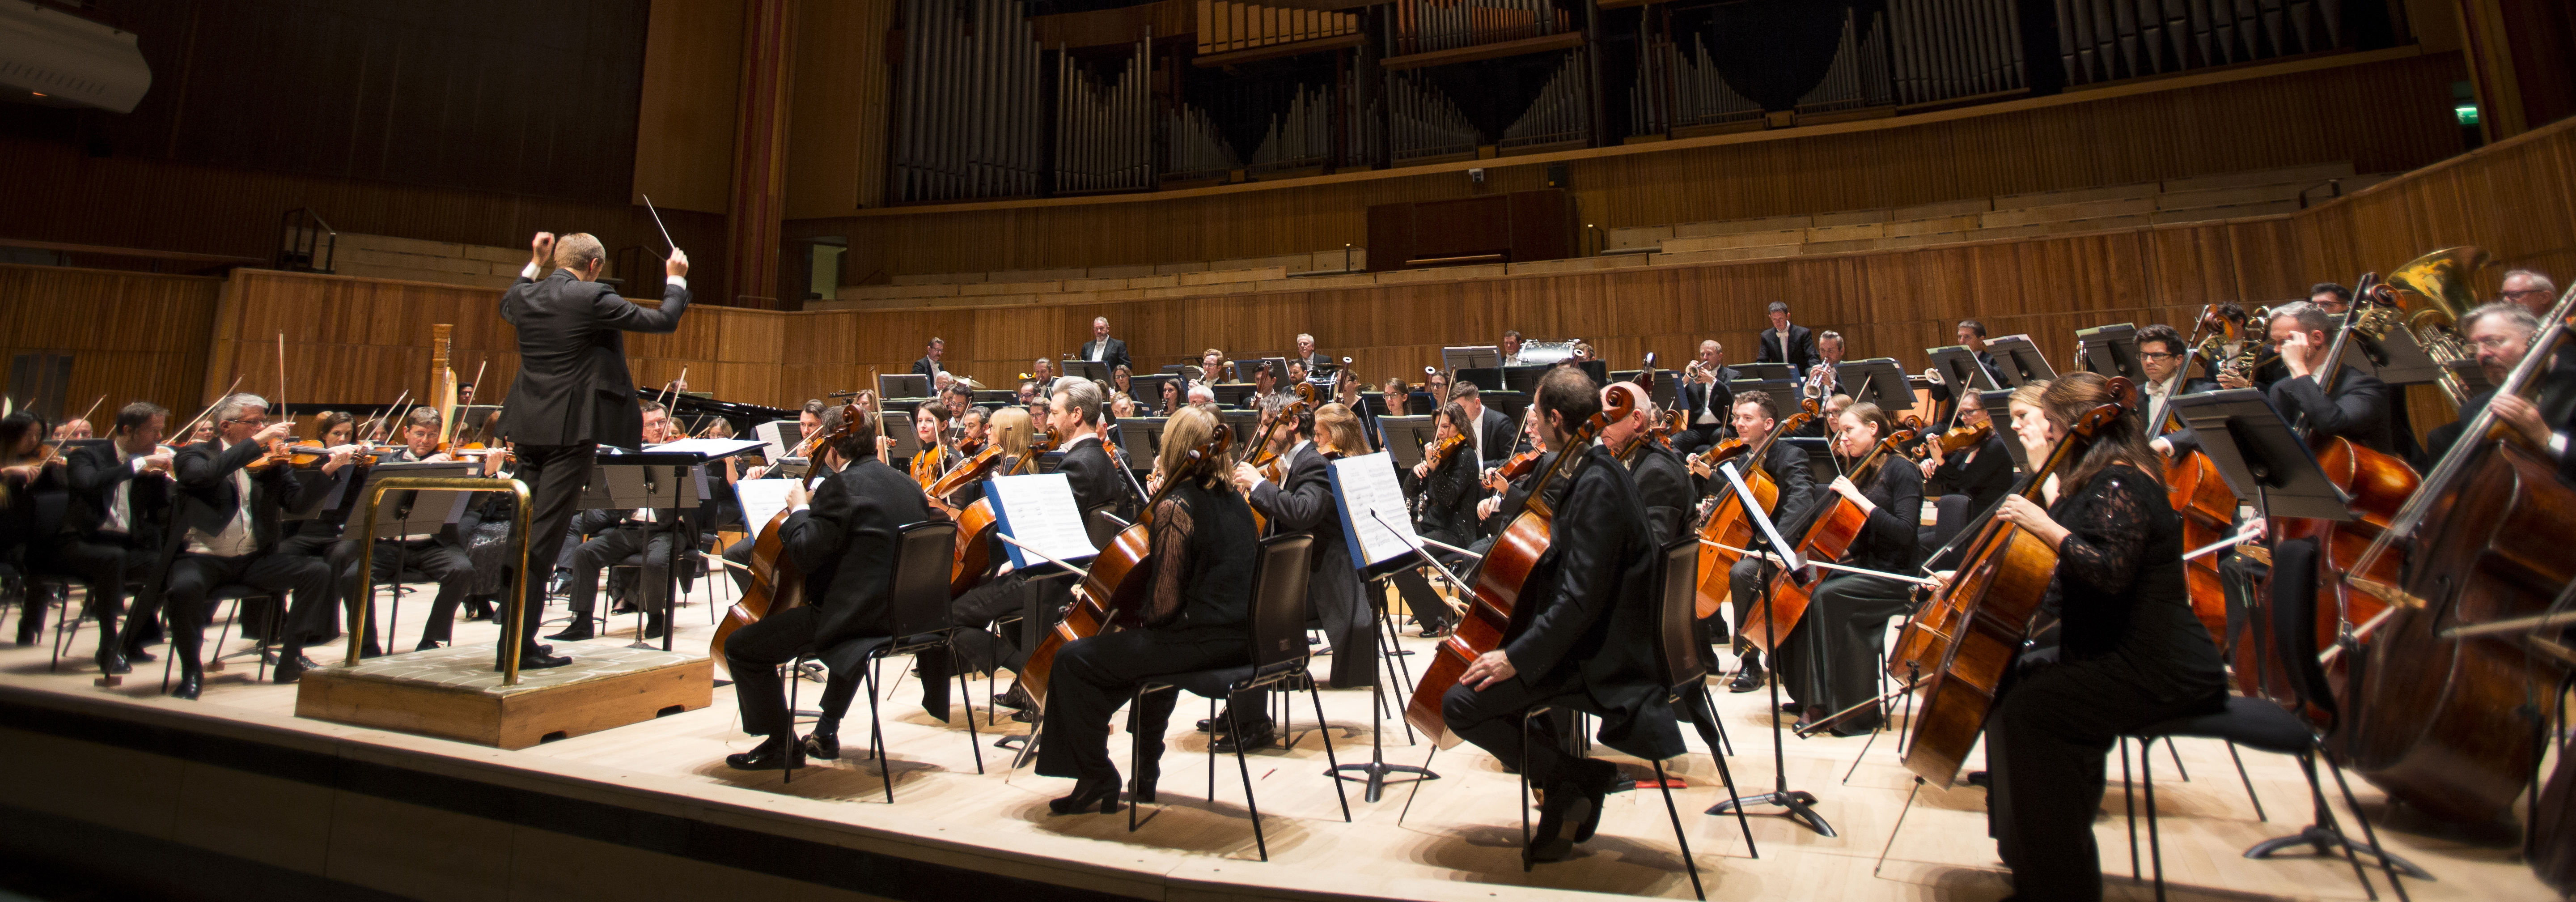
{"x": 1781, "y": 390}
{"x": 1147, "y": 389}
{"x": 396, "y": 515}
{"x": 1486, "y": 378}
{"x": 2111, "y": 351}
{"x": 902, "y": 385}
{"x": 1470, "y": 357}
{"x": 1959, "y": 366}
{"x": 1231, "y": 394}
{"x": 1094, "y": 370}
{"x": 898, "y": 426}
{"x": 1877, "y": 380}
{"x": 1404, "y": 438}
{"x": 782, "y": 436}
{"x": 1370, "y": 503}
{"x": 1143, "y": 439}
{"x": 1525, "y": 378}
{"x": 1002, "y": 396}
{"x": 657, "y": 480}
{"x": 1245, "y": 423}
{"x": 1779, "y": 371}
{"x": 1801, "y": 804}
{"x": 1998, "y": 404}
{"x": 2020, "y": 360}
{"x": 2400, "y": 360}
{"x": 1511, "y": 403}
{"x": 2262, "y": 460}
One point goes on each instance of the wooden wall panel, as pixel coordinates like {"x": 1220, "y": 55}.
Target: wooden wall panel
{"x": 684, "y": 132}
{"x": 2283, "y": 120}
{"x": 836, "y": 132}
{"x": 132, "y": 336}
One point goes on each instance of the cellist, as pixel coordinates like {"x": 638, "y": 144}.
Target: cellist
{"x": 1006, "y": 593}
{"x": 1754, "y": 417}
{"x": 1582, "y": 634}
{"x": 1828, "y": 662}
{"x": 2130, "y": 652}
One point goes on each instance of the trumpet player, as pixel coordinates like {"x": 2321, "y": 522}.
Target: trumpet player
{"x": 1822, "y": 378}
{"x": 1706, "y": 398}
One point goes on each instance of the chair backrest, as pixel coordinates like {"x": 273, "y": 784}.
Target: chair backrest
{"x": 924, "y": 554}
{"x": 1279, "y": 599}
{"x": 1677, "y": 646}
{"x": 1100, "y": 528}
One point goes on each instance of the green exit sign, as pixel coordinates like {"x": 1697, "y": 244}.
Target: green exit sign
{"x": 2468, "y": 113}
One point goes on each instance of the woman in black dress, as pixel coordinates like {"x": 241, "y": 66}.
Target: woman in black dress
{"x": 1829, "y": 661}
{"x": 2130, "y": 652}
{"x": 1198, "y": 611}
{"x": 1447, "y": 514}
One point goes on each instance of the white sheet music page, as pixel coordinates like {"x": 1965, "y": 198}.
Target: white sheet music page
{"x": 1038, "y": 510}
{"x": 1366, "y": 484}
{"x": 761, "y": 500}
{"x": 709, "y": 448}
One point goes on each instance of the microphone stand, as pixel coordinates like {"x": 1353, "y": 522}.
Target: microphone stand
{"x": 1801, "y": 805}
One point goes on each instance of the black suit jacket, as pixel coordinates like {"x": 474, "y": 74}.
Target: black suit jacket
{"x": 1587, "y": 623}
{"x": 1664, "y": 484}
{"x": 1715, "y": 397}
{"x": 1095, "y": 479}
{"x": 1499, "y": 436}
{"x": 573, "y": 385}
{"x": 926, "y": 367}
{"x": 207, "y": 500}
{"x": 1114, "y": 358}
{"x": 845, "y": 543}
{"x": 1304, "y": 504}
{"x": 1802, "y": 348}
{"x": 94, "y": 474}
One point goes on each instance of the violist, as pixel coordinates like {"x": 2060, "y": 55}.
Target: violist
{"x": 1447, "y": 512}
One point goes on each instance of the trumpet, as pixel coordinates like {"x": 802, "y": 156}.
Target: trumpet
{"x": 1932, "y": 374}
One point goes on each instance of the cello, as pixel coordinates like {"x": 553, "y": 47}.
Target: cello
{"x": 1113, "y": 590}
{"x": 1498, "y": 581}
{"x": 1768, "y": 625}
{"x": 776, "y": 584}
{"x": 1726, "y": 522}
{"x": 1956, "y": 648}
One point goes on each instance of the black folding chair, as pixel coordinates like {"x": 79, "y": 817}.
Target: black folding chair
{"x": 923, "y": 555}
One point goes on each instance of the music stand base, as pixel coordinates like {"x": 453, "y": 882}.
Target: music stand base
{"x": 1801, "y": 805}
{"x": 1377, "y": 772}
{"x": 2326, "y": 843}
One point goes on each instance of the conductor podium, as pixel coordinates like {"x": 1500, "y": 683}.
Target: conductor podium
{"x": 453, "y": 693}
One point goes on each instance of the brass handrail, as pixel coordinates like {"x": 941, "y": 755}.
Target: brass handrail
{"x": 518, "y": 584}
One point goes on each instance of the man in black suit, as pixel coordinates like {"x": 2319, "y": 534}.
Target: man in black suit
{"x": 1302, "y": 501}
{"x": 844, "y": 539}
{"x": 1707, "y": 401}
{"x": 573, "y": 392}
{"x": 225, "y": 533}
{"x": 929, "y": 364}
{"x": 430, "y": 548}
{"x": 1493, "y": 434}
{"x": 120, "y": 498}
{"x": 1784, "y": 342}
{"x": 1075, "y": 414}
{"x": 1756, "y": 415}
{"x": 1109, "y": 351}
{"x": 1313, "y": 360}
{"x": 2165, "y": 358}
{"x": 1663, "y": 480}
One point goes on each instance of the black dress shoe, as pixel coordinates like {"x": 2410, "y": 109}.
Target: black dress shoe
{"x": 1214, "y": 724}
{"x": 778, "y": 752}
{"x": 1981, "y": 778}
{"x": 1087, "y": 794}
{"x": 112, "y": 662}
{"x": 1017, "y": 699}
{"x": 653, "y": 627}
{"x": 1143, "y": 794}
{"x": 191, "y": 683}
{"x": 290, "y": 668}
{"x": 823, "y": 745}
{"x": 370, "y": 650}
{"x": 134, "y": 654}
{"x": 578, "y": 631}
{"x": 1792, "y": 708}
{"x": 1855, "y": 725}
{"x": 1554, "y": 840}
{"x": 1256, "y": 737}
{"x": 1748, "y": 679}
{"x": 536, "y": 662}
{"x": 1599, "y": 777}
{"x": 429, "y": 645}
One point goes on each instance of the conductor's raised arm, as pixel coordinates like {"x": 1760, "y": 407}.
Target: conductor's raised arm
{"x": 626, "y": 316}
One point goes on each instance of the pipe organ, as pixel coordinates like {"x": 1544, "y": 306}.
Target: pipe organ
{"x": 968, "y": 122}
{"x": 1858, "y": 76}
{"x": 1676, "y": 88}
{"x": 1422, "y": 122}
{"x": 1563, "y": 109}
{"x": 2105, "y": 40}
{"x": 1427, "y": 25}
{"x": 1104, "y": 134}
{"x": 1947, "y": 49}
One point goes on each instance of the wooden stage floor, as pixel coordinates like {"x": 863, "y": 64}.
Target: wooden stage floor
{"x": 1459, "y": 838}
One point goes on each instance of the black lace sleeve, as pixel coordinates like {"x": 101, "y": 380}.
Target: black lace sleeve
{"x": 2106, "y": 531}
{"x": 1170, "y": 534}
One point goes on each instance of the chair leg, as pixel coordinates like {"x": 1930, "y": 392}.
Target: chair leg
{"x": 876, "y": 731}
{"x": 2326, "y": 819}
{"x": 1331, "y": 765}
{"x": 2155, "y": 838}
{"x": 1234, "y": 722}
{"x": 2176, "y": 755}
{"x": 1526, "y": 862}
{"x": 1688, "y": 862}
{"x": 973, "y": 741}
{"x": 2248, "y": 780}
{"x": 793, "y": 677}
{"x": 1135, "y": 752}
{"x": 2129, "y": 802}
{"x": 2369, "y": 834}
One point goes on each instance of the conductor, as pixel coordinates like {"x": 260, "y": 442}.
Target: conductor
{"x": 573, "y": 393}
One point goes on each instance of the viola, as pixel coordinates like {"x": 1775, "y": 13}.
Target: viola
{"x": 1520, "y": 466}
{"x": 1961, "y": 438}
{"x": 925, "y": 465}
{"x": 1499, "y": 579}
{"x": 1833, "y": 533}
{"x": 1726, "y": 523}
{"x": 776, "y": 585}
{"x": 1440, "y": 451}
{"x": 1955, "y": 649}
{"x": 1112, "y": 593}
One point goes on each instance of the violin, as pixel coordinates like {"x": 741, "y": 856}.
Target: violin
{"x": 1499, "y": 579}
{"x": 1112, "y": 593}
{"x": 1440, "y": 451}
{"x": 1726, "y": 523}
{"x": 1520, "y": 465}
{"x": 776, "y": 585}
{"x": 1833, "y": 533}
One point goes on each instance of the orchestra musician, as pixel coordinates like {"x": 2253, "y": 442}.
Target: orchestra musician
{"x": 2531, "y": 290}
{"x": 1582, "y": 637}
{"x": 1828, "y": 662}
{"x": 1980, "y": 476}
{"x": 2501, "y": 332}
{"x": 26, "y": 472}
{"x": 1122, "y": 380}
{"x": 1007, "y": 592}
{"x": 226, "y": 524}
{"x": 1492, "y": 432}
{"x": 434, "y": 552}
{"x": 1971, "y": 334}
{"x": 1198, "y": 609}
{"x": 1101, "y": 347}
{"x": 1663, "y": 480}
{"x": 1436, "y": 390}
{"x": 72, "y": 431}
{"x": 1755, "y": 415}
{"x": 1302, "y": 501}
{"x": 1313, "y": 360}
{"x": 573, "y": 392}
{"x": 844, "y": 538}
{"x": 1446, "y": 513}
{"x": 1074, "y": 417}
{"x": 321, "y": 537}
{"x": 930, "y": 428}
{"x": 930, "y": 364}
{"x": 2356, "y": 406}
{"x": 1265, "y": 387}
{"x": 1510, "y": 347}
{"x": 1212, "y": 368}
{"x": 643, "y": 533}
{"x": 1829, "y": 357}
{"x": 1029, "y": 396}
{"x": 112, "y": 530}
{"x": 2165, "y": 358}
{"x": 958, "y": 397}
{"x": 1707, "y": 400}
{"x": 1042, "y": 372}
{"x": 1785, "y": 342}
{"x": 2130, "y": 651}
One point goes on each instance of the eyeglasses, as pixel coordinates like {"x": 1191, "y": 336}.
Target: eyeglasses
{"x": 2157, "y": 355}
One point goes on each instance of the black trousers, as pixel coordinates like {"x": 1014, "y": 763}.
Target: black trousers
{"x": 1830, "y": 660}
{"x": 981, "y": 648}
{"x": 104, "y": 562}
{"x": 1745, "y": 579}
{"x": 1491, "y": 718}
{"x": 2045, "y": 746}
{"x": 1093, "y": 677}
{"x": 613, "y": 547}
{"x": 432, "y": 560}
{"x": 740, "y": 554}
{"x": 753, "y": 654}
{"x": 1698, "y": 437}
{"x": 340, "y": 555}
{"x": 1415, "y": 589}
{"x": 554, "y": 474}
{"x": 194, "y": 576}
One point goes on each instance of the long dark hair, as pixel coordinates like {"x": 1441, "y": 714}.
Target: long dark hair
{"x": 2120, "y": 441}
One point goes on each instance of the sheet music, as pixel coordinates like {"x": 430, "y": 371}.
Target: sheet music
{"x": 1364, "y": 484}
{"x": 1787, "y": 550}
{"x": 709, "y": 448}
{"x": 761, "y": 500}
{"x": 1038, "y": 510}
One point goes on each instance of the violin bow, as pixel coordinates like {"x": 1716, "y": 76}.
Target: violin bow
{"x": 671, "y": 388}
{"x": 210, "y": 408}
{"x": 93, "y": 407}
{"x": 281, "y": 380}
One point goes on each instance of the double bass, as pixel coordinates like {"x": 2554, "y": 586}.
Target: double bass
{"x": 1768, "y": 625}
{"x": 1956, "y": 648}
{"x": 1498, "y": 581}
{"x": 1113, "y": 591}
{"x": 1726, "y": 522}
{"x": 776, "y": 584}
{"x": 2208, "y": 509}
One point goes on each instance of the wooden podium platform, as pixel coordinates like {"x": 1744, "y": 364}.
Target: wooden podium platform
{"x": 453, "y": 693}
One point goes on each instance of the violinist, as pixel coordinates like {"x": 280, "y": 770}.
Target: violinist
{"x": 1754, "y": 418}
{"x": 1447, "y": 475}
{"x": 227, "y": 524}
{"x": 929, "y": 424}
{"x": 1492, "y": 432}
{"x": 28, "y": 467}
{"x": 1007, "y": 592}
{"x": 320, "y": 537}
{"x": 844, "y": 538}
{"x": 2131, "y": 652}
{"x": 431, "y": 549}
{"x": 1828, "y": 662}
{"x": 959, "y": 399}
{"x": 1981, "y": 473}
{"x": 1823, "y": 426}
{"x": 1301, "y": 500}
{"x": 2164, "y": 356}
{"x": 1198, "y": 609}
{"x": 1707, "y": 401}
{"x": 72, "y": 431}
{"x": 120, "y": 501}
{"x": 1582, "y": 636}
{"x": 1510, "y": 480}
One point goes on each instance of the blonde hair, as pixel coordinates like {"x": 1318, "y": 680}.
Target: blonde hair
{"x": 577, "y": 250}
{"x": 1338, "y": 428}
{"x": 1188, "y": 428}
{"x": 1009, "y": 430}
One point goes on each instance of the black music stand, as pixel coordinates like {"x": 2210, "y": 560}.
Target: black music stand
{"x": 907, "y": 386}
{"x": 1142, "y": 438}
{"x": 1471, "y": 357}
{"x": 661, "y": 481}
{"x": 1998, "y": 404}
{"x": 1001, "y": 396}
{"x": 1877, "y": 380}
{"x": 2398, "y": 359}
{"x": 2020, "y": 360}
{"x": 2111, "y": 351}
{"x": 1230, "y": 395}
{"x": 898, "y": 426}
{"x": 1801, "y": 804}
{"x": 1959, "y": 366}
{"x": 1093, "y": 370}
{"x": 394, "y": 517}
{"x": 1511, "y": 403}
{"x": 1404, "y": 437}
{"x": 2260, "y": 457}
{"x": 1246, "y": 425}
{"x": 1147, "y": 388}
